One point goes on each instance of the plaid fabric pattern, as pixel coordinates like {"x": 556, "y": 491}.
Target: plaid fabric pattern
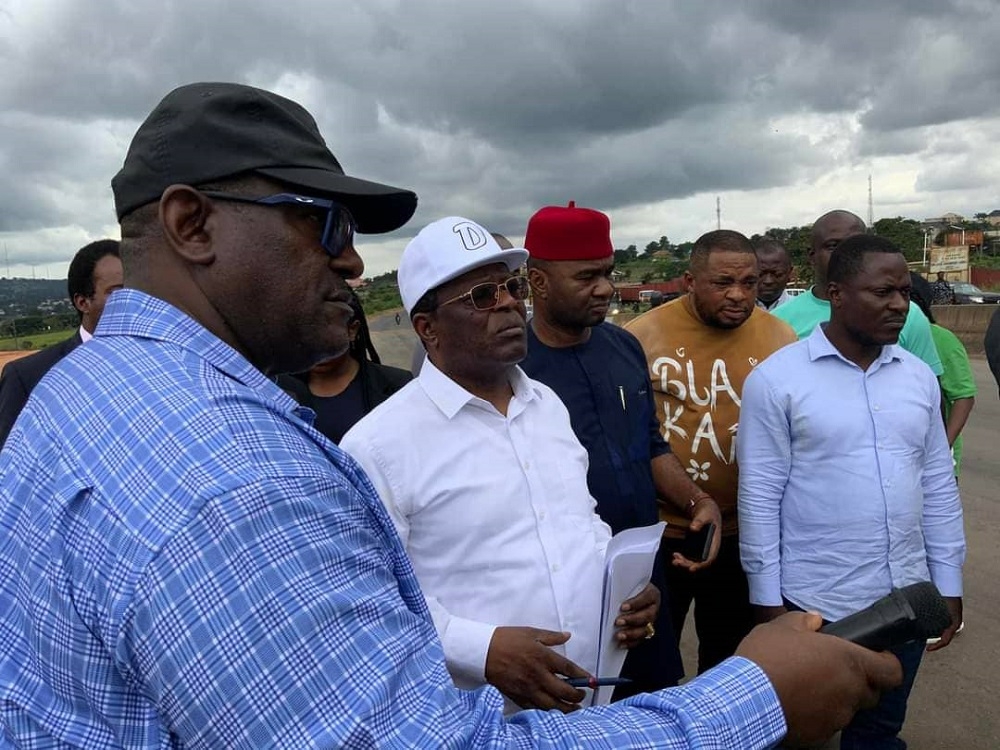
{"x": 185, "y": 562}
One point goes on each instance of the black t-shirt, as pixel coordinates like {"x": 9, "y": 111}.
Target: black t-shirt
{"x": 335, "y": 415}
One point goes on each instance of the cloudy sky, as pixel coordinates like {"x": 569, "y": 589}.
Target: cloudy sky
{"x": 647, "y": 110}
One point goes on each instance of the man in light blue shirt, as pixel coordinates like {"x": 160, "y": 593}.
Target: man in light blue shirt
{"x": 846, "y": 482}
{"x": 805, "y": 311}
{"x": 186, "y": 563}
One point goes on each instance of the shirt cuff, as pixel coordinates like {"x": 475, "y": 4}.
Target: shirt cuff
{"x": 655, "y": 451}
{"x": 732, "y": 704}
{"x": 947, "y": 578}
{"x": 765, "y": 589}
{"x": 466, "y": 644}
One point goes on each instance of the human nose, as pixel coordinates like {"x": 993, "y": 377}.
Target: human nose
{"x": 605, "y": 288}
{"x": 899, "y": 303}
{"x": 736, "y": 293}
{"x": 348, "y": 264}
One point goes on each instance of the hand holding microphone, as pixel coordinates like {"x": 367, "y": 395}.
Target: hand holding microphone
{"x": 912, "y": 613}
{"x": 808, "y": 670}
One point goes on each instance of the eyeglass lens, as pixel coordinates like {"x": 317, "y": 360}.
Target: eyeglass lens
{"x": 487, "y": 296}
{"x": 338, "y": 232}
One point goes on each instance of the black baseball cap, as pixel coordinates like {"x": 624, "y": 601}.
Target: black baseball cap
{"x": 209, "y": 131}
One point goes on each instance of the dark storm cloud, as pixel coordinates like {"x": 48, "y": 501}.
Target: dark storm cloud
{"x": 492, "y": 109}
{"x": 892, "y": 143}
{"x": 903, "y": 63}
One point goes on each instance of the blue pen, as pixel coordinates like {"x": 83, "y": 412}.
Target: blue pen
{"x": 596, "y": 682}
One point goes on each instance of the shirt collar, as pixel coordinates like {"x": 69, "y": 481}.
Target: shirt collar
{"x": 136, "y": 314}
{"x": 820, "y": 347}
{"x": 783, "y": 297}
{"x": 450, "y": 397}
{"x": 85, "y": 335}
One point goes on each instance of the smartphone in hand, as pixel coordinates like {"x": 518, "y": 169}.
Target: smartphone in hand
{"x": 698, "y": 544}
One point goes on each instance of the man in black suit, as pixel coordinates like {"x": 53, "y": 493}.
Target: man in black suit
{"x": 94, "y": 273}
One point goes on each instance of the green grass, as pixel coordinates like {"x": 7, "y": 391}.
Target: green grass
{"x": 36, "y": 340}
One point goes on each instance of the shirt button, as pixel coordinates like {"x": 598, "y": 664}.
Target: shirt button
{"x": 527, "y": 465}
{"x": 876, "y": 407}
{"x": 555, "y": 568}
{"x": 541, "y": 515}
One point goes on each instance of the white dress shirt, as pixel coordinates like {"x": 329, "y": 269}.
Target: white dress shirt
{"x": 782, "y": 299}
{"x": 846, "y": 481}
{"x": 493, "y": 510}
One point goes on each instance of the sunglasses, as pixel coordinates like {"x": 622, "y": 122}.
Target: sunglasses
{"x": 486, "y": 296}
{"x": 338, "y": 226}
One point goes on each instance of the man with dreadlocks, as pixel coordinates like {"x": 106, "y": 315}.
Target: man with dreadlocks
{"x": 343, "y": 389}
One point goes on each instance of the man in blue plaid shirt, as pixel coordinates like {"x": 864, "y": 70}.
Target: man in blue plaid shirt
{"x": 185, "y": 562}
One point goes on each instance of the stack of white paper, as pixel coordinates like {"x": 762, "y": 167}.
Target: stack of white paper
{"x": 628, "y": 566}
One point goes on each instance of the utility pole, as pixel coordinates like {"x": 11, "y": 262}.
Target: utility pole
{"x": 718, "y": 213}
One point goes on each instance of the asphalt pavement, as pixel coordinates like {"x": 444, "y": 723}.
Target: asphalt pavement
{"x": 953, "y": 704}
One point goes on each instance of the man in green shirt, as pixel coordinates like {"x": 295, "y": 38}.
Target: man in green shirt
{"x": 805, "y": 311}
{"x": 958, "y": 384}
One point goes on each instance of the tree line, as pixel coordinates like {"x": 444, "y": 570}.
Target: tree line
{"x": 663, "y": 260}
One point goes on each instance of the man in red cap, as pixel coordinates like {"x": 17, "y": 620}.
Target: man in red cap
{"x": 599, "y": 371}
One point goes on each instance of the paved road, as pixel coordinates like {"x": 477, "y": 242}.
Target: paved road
{"x": 954, "y": 703}
{"x": 394, "y": 343}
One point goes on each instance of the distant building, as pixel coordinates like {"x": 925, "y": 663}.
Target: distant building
{"x": 967, "y": 237}
{"x": 941, "y": 222}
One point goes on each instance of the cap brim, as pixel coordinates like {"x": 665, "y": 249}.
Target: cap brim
{"x": 376, "y": 208}
{"x": 514, "y": 257}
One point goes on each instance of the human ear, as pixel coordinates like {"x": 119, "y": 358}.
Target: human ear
{"x": 188, "y": 221}
{"x": 539, "y": 282}
{"x": 82, "y": 303}
{"x": 425, "y": 326}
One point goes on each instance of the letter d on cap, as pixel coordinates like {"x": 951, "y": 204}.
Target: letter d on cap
{"x": 472, "y": 235}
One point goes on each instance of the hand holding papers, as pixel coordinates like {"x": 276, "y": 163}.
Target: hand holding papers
{"x": 628, "y": 566}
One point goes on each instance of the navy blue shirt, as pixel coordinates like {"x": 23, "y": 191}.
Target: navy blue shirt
{"x": 605, "y": 386}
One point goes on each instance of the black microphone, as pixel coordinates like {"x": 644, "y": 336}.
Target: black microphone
{"x": 912, "y": 613}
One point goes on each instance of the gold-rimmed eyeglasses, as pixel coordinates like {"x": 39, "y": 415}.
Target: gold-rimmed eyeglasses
{"x": 486, "y": 296}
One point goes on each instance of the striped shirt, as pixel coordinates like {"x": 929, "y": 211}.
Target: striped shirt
{"x": 185, "y": 562}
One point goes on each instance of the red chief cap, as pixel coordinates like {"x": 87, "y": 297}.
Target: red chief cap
{"x": 568, "y": 233}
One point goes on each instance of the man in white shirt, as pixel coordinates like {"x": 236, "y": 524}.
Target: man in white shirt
{"x": 486, "y": 482}
{"x": 774, "y": 269}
